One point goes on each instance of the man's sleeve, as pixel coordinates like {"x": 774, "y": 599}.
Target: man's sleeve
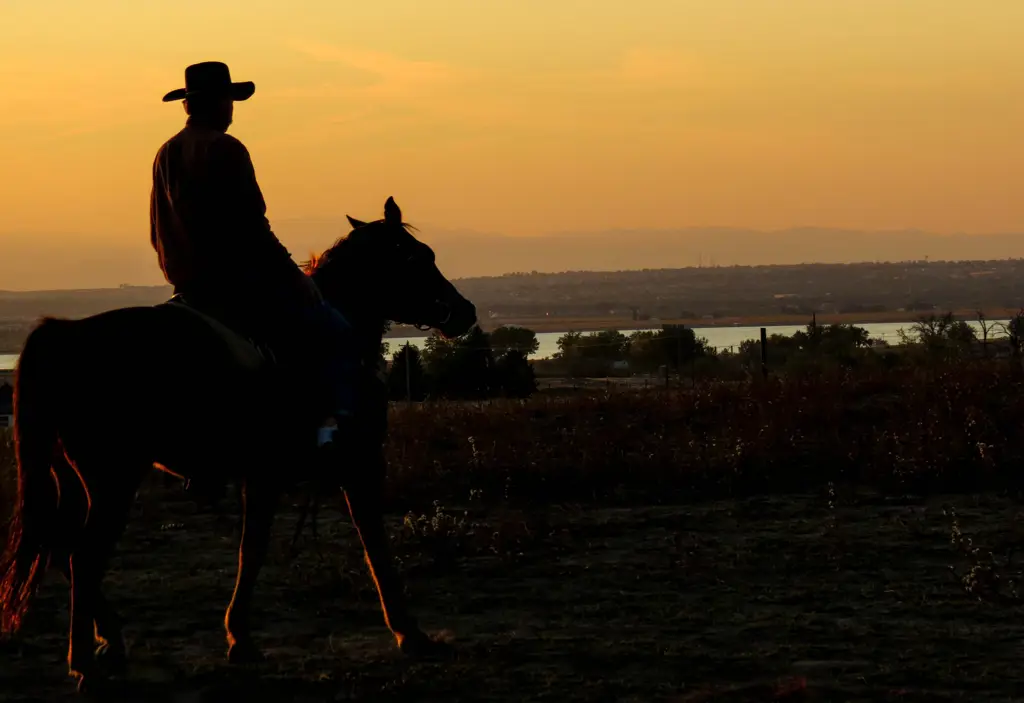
{"x": 156, "y": 206}
{"x": 152, "y": 199}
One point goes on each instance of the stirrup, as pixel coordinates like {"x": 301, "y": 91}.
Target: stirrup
{"x": 326, "y": 435}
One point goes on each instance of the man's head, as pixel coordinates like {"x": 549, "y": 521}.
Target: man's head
{"x": 209, "y": 93}
{"x": 217, "y": 113}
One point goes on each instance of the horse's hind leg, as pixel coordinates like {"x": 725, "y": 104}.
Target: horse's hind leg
{"x": 107, "y": 624}
{"x": 258, "y": 503}
{"x": 107, "y": 630}
{"x": 92, "y": 618}
{"x": 97, "y": 647}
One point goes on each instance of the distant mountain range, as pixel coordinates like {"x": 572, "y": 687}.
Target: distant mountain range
{"x": 468, "y": 255}
{"x": 37, "y": 262}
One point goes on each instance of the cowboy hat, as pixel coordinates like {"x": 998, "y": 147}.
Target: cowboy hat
{"x": 211, "y": 78}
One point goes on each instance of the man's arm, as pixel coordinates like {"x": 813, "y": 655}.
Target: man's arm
{"x": 153, "y": 207}
{"x": 249, "y": 217}
{"x": 248, "y": 208}
{"x": 161, "y": 217}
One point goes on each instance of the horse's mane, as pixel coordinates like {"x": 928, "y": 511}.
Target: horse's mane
{"x": 317, "y": 261}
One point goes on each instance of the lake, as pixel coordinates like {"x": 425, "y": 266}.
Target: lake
{"x": 721, "y": 338}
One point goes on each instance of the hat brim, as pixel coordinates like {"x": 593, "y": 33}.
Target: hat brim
{"x": 236, "y": 91}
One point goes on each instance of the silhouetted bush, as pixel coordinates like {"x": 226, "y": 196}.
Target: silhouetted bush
{"x": 513, "y": 338}
{"x": 461, "y": 368}
{"x": 407, "y": 380}
{"x": 610, "y": 353}
{"x": 466, "y": 368}
{"x": 674, "y": 346}
{"x": 514, "y": 377}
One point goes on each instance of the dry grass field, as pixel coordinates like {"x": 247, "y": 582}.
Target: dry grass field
{"x": 842, "y": 538}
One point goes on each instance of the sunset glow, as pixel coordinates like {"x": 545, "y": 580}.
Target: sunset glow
{"x": 525, "y": 117}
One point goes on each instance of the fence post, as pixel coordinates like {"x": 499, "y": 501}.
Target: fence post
{"x": 764, "y": 353}
{"x": 679, "y": 357}
{"x": 408, "y": 378}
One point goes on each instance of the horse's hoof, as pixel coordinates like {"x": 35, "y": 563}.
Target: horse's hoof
{"x": 419, "y": 645}
{"x": 111, "y": 658}
{"x": 245, "y": 651}
{"x": 91, "y": 684}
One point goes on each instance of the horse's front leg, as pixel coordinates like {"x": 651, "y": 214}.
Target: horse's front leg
{"x": 259, "y": 501}
{"x": 364, "y": 496}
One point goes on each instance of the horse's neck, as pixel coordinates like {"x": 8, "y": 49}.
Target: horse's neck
{"x": 368, "y": 334}
{"x": 369, "y": 331}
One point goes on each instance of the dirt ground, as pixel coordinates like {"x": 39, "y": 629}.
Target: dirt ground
{"x": 788, "y": 598}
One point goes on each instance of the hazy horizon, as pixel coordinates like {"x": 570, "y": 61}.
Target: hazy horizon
{"x": 33, "y": 263}
{"x": 521, "y": 119}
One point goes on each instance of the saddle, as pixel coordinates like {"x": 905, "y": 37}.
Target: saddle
{"x": 245, "y": 351}
{"x": 257, "y": 357}
{"x": 256, "y": 361}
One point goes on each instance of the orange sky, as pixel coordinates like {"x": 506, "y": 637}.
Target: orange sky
{"x": 530, "y": 116}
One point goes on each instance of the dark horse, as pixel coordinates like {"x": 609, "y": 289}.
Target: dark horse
{"x": 184, "y": 394}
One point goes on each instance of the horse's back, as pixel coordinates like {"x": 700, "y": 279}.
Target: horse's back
{"x": 168, "y": 335}
{"x": 169, "y": 385}
{"x": 162, "y": 363}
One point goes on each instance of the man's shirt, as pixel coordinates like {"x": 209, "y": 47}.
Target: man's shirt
{"x": 208, "y": 220}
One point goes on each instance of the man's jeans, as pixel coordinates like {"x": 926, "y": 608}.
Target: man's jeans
{"x": 329, "y": 342}
{"x": 316, "y": 343}
{"x": 318, "y": 347}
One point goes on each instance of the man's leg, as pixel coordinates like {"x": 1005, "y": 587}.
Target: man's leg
{"x": 335, "y": 351}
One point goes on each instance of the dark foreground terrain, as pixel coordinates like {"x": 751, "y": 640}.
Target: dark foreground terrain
{"x": 811, "y": 597}
{"x": 617, "y": 546}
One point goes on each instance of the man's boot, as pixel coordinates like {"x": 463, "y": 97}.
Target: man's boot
{"x": 335, "y": 443}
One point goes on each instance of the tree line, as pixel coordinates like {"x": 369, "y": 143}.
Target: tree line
{"x": 476, "y": 366}
{"x": 485, "y": 365}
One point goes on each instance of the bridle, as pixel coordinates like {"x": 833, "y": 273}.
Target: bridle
{"x": 443, "y": 321}
{"x": 444, "y": 307}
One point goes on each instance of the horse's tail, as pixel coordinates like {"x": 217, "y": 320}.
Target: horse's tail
{"x": 33, "y": 524}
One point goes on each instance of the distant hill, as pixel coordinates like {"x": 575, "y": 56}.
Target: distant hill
{"x": 645, "y": 249}
{"x": 668, "y": 293}
{"x": 463, "y": 254}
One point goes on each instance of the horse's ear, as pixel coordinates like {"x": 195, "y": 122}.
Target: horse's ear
{"x": 356, "y": 224}
{"x": 392, "y": 213}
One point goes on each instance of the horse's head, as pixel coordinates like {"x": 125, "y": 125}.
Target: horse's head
{"x": 379, "y": 271}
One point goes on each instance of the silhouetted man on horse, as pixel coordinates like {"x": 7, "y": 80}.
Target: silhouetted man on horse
{"x": 179, "y": 389}
{"x": 207, "y": 212}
